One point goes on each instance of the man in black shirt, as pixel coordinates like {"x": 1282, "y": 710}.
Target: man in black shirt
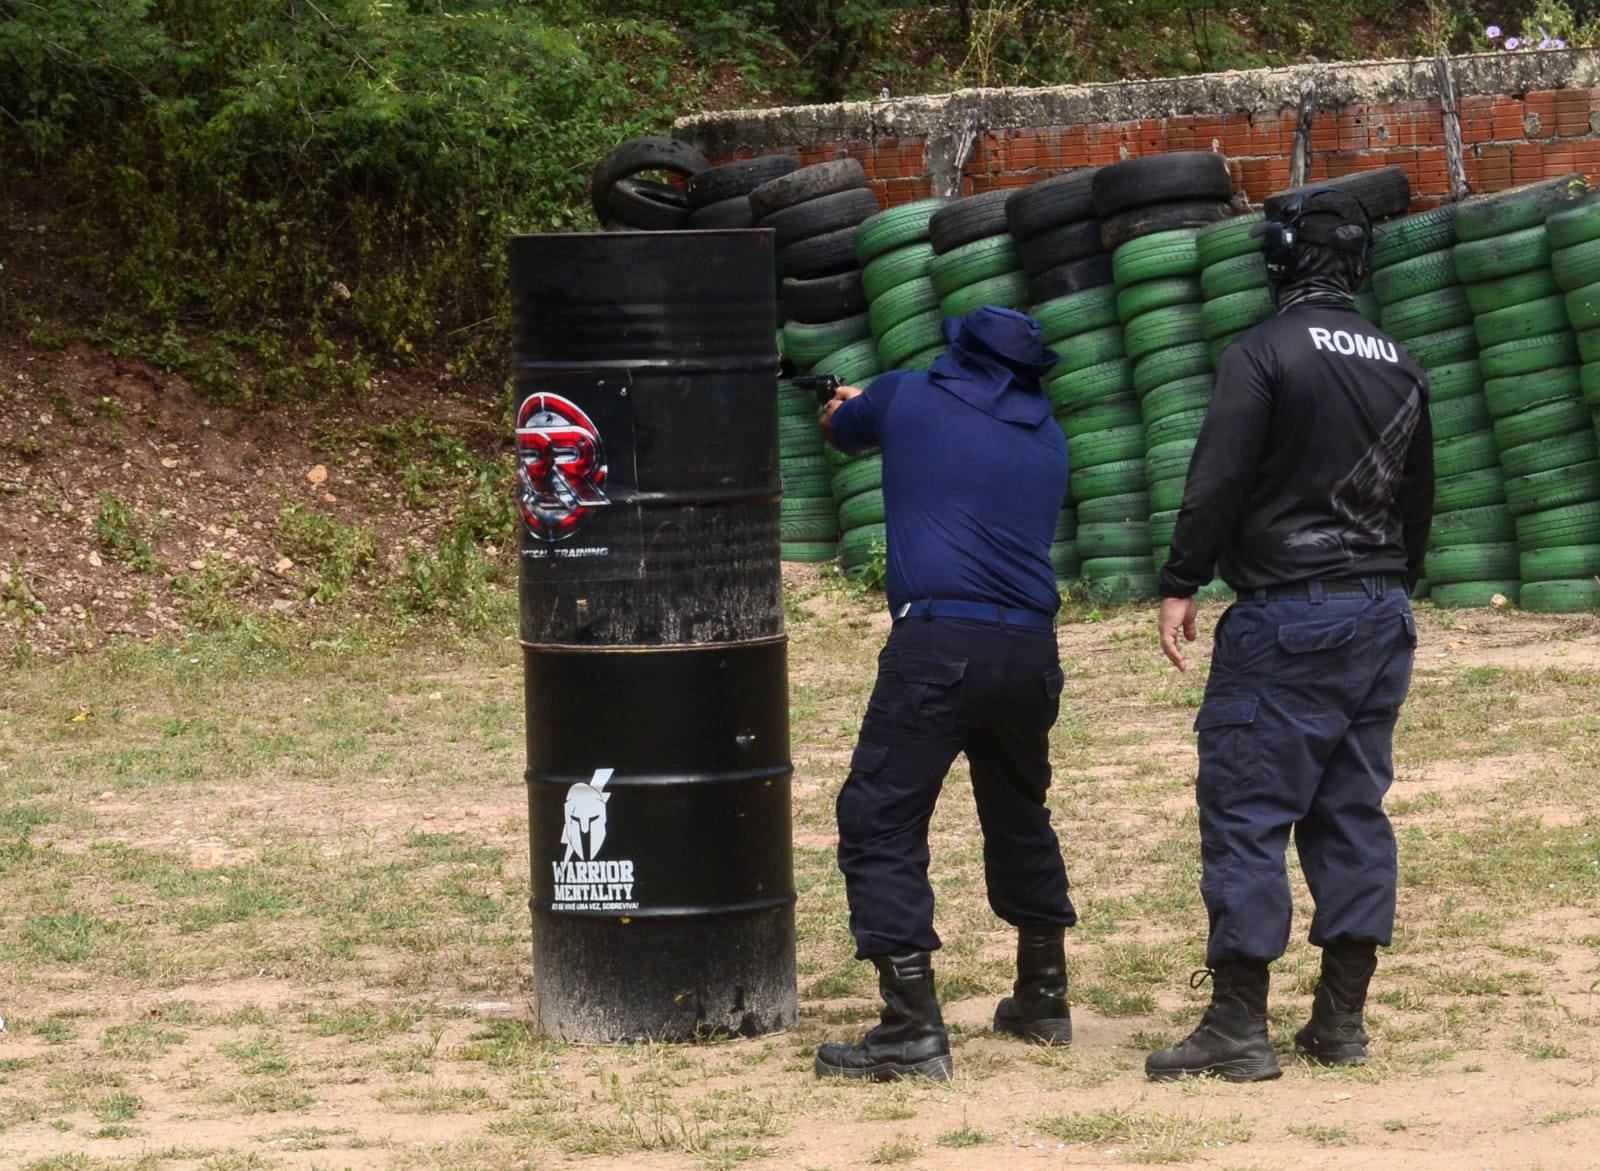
{"x": 1311, "y": 492}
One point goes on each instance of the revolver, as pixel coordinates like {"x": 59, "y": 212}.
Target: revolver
{"x": 822, "y": 385}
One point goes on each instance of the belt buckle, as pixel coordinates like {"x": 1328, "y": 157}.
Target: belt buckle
{"x": 905, "y": 608}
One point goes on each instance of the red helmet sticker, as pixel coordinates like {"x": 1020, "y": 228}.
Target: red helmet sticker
{"x": 561, "y": 466}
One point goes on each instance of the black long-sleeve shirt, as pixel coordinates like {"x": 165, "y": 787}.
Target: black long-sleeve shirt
{"x": 1314, "y": 461}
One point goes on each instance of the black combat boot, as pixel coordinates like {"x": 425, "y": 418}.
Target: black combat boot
{"x": 1231, "y": 1041}
{"x": 1334, "y": 1035}
{"x": 909, "y": 1041}
{"x": 1037, "y": 1008}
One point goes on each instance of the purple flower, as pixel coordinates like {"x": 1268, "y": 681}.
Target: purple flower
{"x": 1512, "y": 42}
{"x": 1492, "y": 32}
{"x": 1558, "y": 43}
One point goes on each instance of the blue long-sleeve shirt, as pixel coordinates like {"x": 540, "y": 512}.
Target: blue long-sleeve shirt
{"x": 973, "y": 483}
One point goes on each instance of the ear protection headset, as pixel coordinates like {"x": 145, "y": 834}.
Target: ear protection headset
{"x": 1291, "y": 227}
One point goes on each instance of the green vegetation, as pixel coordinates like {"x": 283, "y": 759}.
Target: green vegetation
{"x": 276, "y": 199}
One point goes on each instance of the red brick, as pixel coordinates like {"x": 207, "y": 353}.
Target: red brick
{"x": 1260, "y": 177}
{"x": 1572, "y": 112}
{"x": 1527, "y": 163}
{"x": 1181, "y": 135}
{"x": 1475, "y": 114}
{"x": 1350, "y": 128}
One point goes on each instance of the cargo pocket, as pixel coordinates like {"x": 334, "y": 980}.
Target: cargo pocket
{"x": 932, "y": 685}
{"x": 1306, "y": 638}
{"x": 868, "y": 758}
{"x": 1054, "y": 681}
{"x": 1411, "y": 628}
{"x": 1230, "y": 750}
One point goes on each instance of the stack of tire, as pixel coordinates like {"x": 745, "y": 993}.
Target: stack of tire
{"x": 1151, "y": 211}
{"x": 1233, "y": 281}
{"x": 813, "y": 213}
{"x": 1423, "y": 307}
{"x": 975, "y": 260}
{"x": 1069, "y": 286}
{"x": 1574, "y": 238}
{"x": 1542, "y": 431}
{"x": 893, "y": 252}
{"x": 626, "y": 199}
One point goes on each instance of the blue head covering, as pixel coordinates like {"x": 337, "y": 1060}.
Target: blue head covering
{"x": 995, "y": 362}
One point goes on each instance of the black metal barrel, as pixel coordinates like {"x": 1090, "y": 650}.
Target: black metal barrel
{"x": 654, "y": 656}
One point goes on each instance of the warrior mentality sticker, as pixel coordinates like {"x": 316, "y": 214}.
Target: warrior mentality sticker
{"x": 583, "y": 880}
{"x": 561, "y": 466}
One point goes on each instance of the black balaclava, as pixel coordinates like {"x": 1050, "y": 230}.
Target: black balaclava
{"x": 1331, "y": 252}
{"x": 1320, "y": 274}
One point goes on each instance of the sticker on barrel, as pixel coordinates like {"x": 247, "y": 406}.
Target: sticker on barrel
{"x": 561, "y": 466}
{"x": 584, "y": 880}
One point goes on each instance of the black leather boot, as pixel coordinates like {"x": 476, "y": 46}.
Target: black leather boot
{"x": 910, "y": 1039}
{"x": 1037, "y": 1008}
{"x": 1231, "y": 1041}
{"x": 1334, "y": 1035}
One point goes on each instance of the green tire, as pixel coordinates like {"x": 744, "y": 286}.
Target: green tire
{"x": 1459, "y": 416}
{"x": 1179, "y": 396}
{"x": 1454, "y": 379}
{"x": 859, "y": 547}
{"x": 864, "y": 508}
{"x": 1162, "y": 329}
{"x": 1478, "y": 595}
{"x": 1574, "y": 224}
{"x": 1536, "y": 318}
{"x": 1518, "y": 209}
{"x": 1526, "y": 355}
{"x": 1160, "y": 254}
{"x": 861, "y": 474}
{"x": 1168, "y": 460}
{"x": 1178, "y": 428}
{"x": 1444, "y": 308}
{"x": 1475, "y": 489}
{"x": 895, "y": 228}
{"x": 805, "y": 344}
{"x": 1582, "y": 307}
{"x": 1112, "y": 479}
{"x": 1090, "y": 348}
{"x": 857, "y": 364}
{"x": 1104, "y": 416}
{"x": 1236, "y": 274}
{"x": 1561, "y": 597}
{"x": 1227, "y": 239}
{"x": 989, "y": 256}
{"x": 1569, "y": 524}
{"x": 1093, "y": 449}
{"x": 1113, "y": 539}
{"x": 1445, "y": 347}
{"x": 1517, "y": 289}
{"x": 910, "y": 336}
{"x": 808, "y": 519}
{"x": 1545, "y": 455}
{"x": 1191, "y": 360}
{"x": 1465, "y": 453}
{"x": 1409, "y": 279}
{"x": 1498, "y": 256}
{"x": 1507, "y": 396}
{"x": 1076, "y": 313}
{"x": 1009, "y": 289}
{"x": 1572, "y": 484}
{"x": 1413, "y": 235}
{"x": 1472, "y": 562}
{"x": 1233, "y": 313}
{"x": 907, "y": 263}
{"x": 1483, "y": 525}
{"x": 1141, "y": 298}
{"x": 1091, "y": 384}
{"x": 808, "y": 552}
{"x": 1549, "y": 420}
{"x": 1127, "y": 507}
{"x": 1166, "y": 495}
{"x": 900, "y": 303}
{"x": 1119, "y": 579}
{"x": 1562, "y": 561}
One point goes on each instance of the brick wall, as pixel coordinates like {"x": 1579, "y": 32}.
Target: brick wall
{"x": 1521, "y": 117}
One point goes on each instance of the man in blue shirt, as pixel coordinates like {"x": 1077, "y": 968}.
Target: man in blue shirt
{"x": 974, "y": 473}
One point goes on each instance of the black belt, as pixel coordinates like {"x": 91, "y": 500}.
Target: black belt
{"x": 978, "y": 611}
{"x": 1374, "y": 586}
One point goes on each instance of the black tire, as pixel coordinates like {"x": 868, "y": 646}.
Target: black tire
{"x": 824, "y": 298}
{"x": 724, "y": 213}
{"x": 1049, "y": 203}
{"x": 647, "y": 205}
{"x": 964, "y": 220}
{"x": 1382, "y": 192}
{"x": 824, "y": 255}
{"x": 639, "y": 156}
{"x": 1516, "y": 209}
{"x": 736, "y": 178}
{"x": 826, "y": 213}
{"x": 1164, "y": 178}
{"x": 807, "y": 183}
{"x": 1074, "y": 277}
{"x": 1060, "y": 245}
{"x": 1117, "y": 230}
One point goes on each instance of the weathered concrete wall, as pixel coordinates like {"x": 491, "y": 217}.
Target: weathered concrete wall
{"x": 1521, "y": 117}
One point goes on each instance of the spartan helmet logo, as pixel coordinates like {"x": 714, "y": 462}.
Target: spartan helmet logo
{"x": 583, "y": 819}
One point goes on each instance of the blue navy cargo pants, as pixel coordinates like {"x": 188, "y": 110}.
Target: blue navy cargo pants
{"x": 1296, "y": 735}
{"x": 945, "y": 686}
